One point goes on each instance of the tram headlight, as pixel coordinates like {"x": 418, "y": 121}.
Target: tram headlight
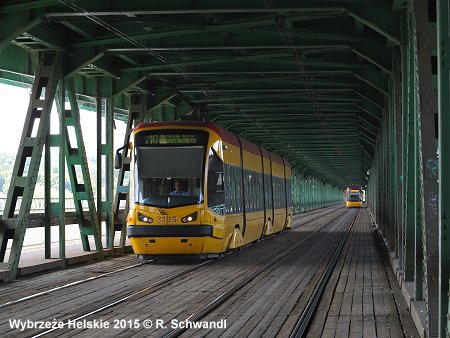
{"x": 144, "y": 218}
{"x": 189, "y": 218}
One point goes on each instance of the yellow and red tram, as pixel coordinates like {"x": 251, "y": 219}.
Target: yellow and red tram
{"x": 233, "y": 191}
{"x": 354, "y": 197}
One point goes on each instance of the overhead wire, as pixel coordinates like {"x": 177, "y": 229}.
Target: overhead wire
{"x": 122, "y": 35}
{"x": 301, "y": 69}
{"x": 174, "y": 67}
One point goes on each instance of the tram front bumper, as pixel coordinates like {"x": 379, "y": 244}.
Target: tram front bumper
{"x": 169, "y": 239}
{"x": 169, "y": 231}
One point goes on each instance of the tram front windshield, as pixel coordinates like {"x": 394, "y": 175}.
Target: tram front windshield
{"x": 168, "y": 169}
{"x": 354, "y": 197}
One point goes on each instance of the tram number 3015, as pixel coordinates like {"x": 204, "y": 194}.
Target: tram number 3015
{"x": 170, "y": 219}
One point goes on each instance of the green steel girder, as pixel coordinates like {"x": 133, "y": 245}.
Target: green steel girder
{"x": 78, "y": 170}
{"x": 16, "y": 62}
{"x": 264, "y": 82}
{"x": 83, "y": 58}
{"x": 216, "y": 66}
{"x": 14, "y": 26}
{"x": 18, "y": 7}
{"x": 429, "y": 178}
{"x": 227, "y": 55}
{"x": 269, "y": 91}
{"x": 280, "y": 103}
{"x": 185, "y": 7}
{"x": 252, "y": 45}
{"x": 309, "y": 62}
{"x": 381, "y": 14}
{"x": 443, "y": 62}
{"x": 46, "y": 36}
{"x": 208, "y": 61}
{"x": 236, "y": 24}
{"x": 23, "y": 181}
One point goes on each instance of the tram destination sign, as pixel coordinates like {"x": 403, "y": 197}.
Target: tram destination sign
{"x": 164, "y": 139}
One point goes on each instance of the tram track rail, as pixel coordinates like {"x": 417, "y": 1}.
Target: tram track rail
{"x": 198, "y": 315}
{"x": 304, "y": 321}
{"x": 300, "y": 225}
{"x": 311, "y": 216}
{"x": 317, "y": 215}
{"x": 130, "y": 296}
{"x": 65, "y": 286}
{"x": 120, "y": 300}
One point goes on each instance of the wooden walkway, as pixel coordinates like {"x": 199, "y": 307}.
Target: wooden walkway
{"x": 363, "y": 298}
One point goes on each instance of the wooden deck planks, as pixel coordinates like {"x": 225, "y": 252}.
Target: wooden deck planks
{"x": 361, "y": 300}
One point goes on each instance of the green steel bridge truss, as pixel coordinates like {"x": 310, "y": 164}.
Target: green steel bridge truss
{"x": 349, "y": 92}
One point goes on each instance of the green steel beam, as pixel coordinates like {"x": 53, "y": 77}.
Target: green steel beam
{"x": 229, "y": 26}
{"x": 443, "y": 65}
{"x": 409, "y": 113}
{"x": 15, "y": 26}
{"x": 254, "y": 31}
{"x": 324, "y": 48}
{"x": 79, "y": 172}
{"x": 181, "y": 65}
{"x": 19, "y": 7}
{"x": 56, "y": 208}
{"x": 26, "y": 167}
{"x": 426, "y": 32}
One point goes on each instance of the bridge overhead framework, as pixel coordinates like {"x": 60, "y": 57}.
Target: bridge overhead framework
{"x": 349, "y": 92}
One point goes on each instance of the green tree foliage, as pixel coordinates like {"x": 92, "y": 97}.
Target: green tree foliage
{"x": 6, "y": 168}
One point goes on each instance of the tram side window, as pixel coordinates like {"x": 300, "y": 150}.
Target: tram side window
{"x": 248, "y": 191}
{"x": 268, "y": 191}
{"x": 278, "y": 190}
{"x": 289, "y": 193}
{"x": 276, "y": 193}
{"x": 227, "y": 188}
{"x": 259, "y": 192}
{"x": 232, "y": 188}
{"x": 253, "y": 191}
{"x": 216, "y": 196}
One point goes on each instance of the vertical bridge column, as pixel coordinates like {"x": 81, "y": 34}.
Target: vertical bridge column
{"x": 443, "y": 45}
{"x": 105, "y": 151}
{"x": 58, "y": 208}
{"x": 426, "y": 43}
{"x": 136, "y": 110}
{"x": 26, "y": 167}
{"x": 408, "y": 141}
{"x": 77, "y": 167}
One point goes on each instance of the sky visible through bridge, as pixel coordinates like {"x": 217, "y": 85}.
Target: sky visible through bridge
{"x": 13, "y": 107}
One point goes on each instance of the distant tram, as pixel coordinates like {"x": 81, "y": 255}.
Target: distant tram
{"x": 197, "y": 189}
{"x": 354, "y": 197}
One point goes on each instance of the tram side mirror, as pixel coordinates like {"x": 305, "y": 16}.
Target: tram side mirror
{"x": 118, "y": 157}
{"x": 118, "y": 160}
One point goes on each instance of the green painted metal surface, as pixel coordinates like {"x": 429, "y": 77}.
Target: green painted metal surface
{"x": 56, "y": 208}
{"x": 343, "y": 90}
{"x": 245, "y": 61}
{"x": 443, "y": 47}
{"x": 138, "y": 106}
{"x": 78, "y": 170}
{"x": 26, "y": 167}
